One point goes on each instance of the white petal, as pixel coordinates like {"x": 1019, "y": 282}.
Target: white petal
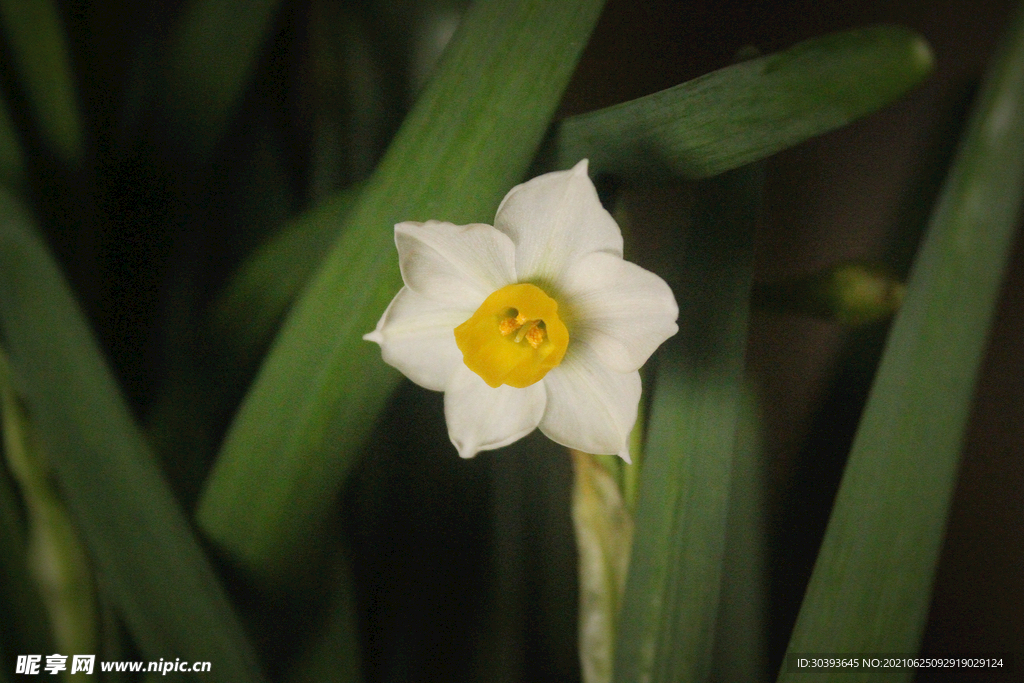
{"x": 618, "y": 309}
{"x": 590, "y": 408}
{"x": 417, "y": 336}
{"x": 554, "y": 220}
{"x": 481, "y": 418}
{"x": 457, "y": 264}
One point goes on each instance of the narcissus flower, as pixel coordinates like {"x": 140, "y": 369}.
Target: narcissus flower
{"x": 534, "y": 322}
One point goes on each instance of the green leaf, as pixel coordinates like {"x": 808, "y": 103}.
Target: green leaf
{"x": 36, "y": 38}
{"x": 329, "y": 654}
{"x": 56, "y": 557}
{"x": 870, "y": 589}
{"x": 21, "y": 607}
{"x": 751, "y": 110}
{"x": 666, "y": 627}
{"x": 146, "y": 560}
{"x": 741, "y": 634}
{"x": 246, "y": 313}
{"x": 212, "y": 57}
{"x": 468, "y": 140}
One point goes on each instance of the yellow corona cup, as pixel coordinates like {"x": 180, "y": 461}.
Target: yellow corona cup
{"x": 514, "y": 338}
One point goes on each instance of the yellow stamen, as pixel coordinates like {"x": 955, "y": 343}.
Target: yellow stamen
{"x": 536, "y": 336}
{"x": 511, "y": 324}
{"x": 491, "y": 350}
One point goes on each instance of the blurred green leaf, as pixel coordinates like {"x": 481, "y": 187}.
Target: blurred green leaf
{"x": 21, "y": 607}
{"x": 145, "y": 557}
{"x": 666, "y": 626}
{"x": 212, "y": 57}
{"x": 870, "y": 589}
{"x": 751, "y": 110}
{"x": 56, "y": 557}
{"x": 36, "y": 38}
{"x": 247, "y": 311}
{"x": 329, "y": 655}
{"x": 850, "y": 293}
{"x": 468, "y": 140}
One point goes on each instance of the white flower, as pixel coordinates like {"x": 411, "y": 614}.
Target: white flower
{"x": 535, "y": 322}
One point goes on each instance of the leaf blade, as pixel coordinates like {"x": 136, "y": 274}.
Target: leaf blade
{"x": 870, "y": 588}
{"x": 671, "y": 598}
{"x": 748, "y": 111}
{"x": 143, "y": 552}
{"x": 211, "y": 59}
{"x": 37, "y": 39}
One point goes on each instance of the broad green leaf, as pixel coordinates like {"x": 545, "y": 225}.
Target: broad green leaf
{"x": 870, "y": 589}
{"x": 751, "y": 110}
{"x": 212, "y": 57}
{"x": 666, "y": 627}
{"x": 145, "y": 558}
{"x": 468, "y": 140}
{"x": 36, "y": 38}
{"x": 740, "y": 652}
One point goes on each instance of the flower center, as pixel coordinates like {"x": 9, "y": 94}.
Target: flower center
{"x": 514, "y": 338}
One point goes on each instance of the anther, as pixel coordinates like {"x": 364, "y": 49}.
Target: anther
{"x": 510, "y": 325}
{"x": 536, "y": 335}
